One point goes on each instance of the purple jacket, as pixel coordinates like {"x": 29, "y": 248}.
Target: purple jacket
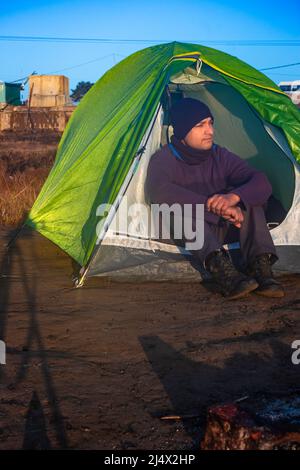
{"x": 171, "y": 180}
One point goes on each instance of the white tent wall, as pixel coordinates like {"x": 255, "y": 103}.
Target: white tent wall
{"x": 287, "y": 233}
{"x": 286, "y": 236}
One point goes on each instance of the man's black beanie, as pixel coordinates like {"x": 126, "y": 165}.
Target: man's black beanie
{"x": 186, "y": 113}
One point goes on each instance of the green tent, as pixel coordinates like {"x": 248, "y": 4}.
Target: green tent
{"x": 123, "y": 119}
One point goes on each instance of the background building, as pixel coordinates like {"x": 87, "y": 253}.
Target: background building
{"x": 48, "y": 91}
{"x": 10, "y": 93}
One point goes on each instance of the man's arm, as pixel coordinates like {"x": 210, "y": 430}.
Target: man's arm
{"x": 219, "y": 203}
{"x": 161, "y": 189}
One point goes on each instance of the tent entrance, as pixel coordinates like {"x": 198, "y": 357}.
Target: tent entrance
{"x": 132, "y": 253}
{"x": 239, "y": 128}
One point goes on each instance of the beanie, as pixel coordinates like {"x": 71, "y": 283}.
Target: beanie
{"x": 186, "y": 113}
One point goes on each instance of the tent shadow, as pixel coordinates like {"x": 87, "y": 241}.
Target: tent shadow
{"x": 35, "y": 435}
{"x": 14, "y": 260}
{"x": 193, "y": 386}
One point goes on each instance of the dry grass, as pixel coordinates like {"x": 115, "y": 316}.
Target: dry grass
{"x": 18, "y": 193}
{"x": 25, "y": 162}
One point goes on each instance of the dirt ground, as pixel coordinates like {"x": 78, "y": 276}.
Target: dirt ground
{"x": 97, "y": 367}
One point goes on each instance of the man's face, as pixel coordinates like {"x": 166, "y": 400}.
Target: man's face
{"x": 201, "y": 135}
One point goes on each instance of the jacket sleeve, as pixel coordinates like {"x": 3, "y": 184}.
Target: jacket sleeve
{"x": 161, "y": 189}
{"x": 251, "y": 185}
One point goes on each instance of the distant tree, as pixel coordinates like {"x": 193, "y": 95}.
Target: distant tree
{"x": 81, "y": 89}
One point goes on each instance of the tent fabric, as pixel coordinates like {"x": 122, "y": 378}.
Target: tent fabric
{"x": 105, "y": 132}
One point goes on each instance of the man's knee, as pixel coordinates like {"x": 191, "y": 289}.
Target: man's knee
{"x": 254, "y": 211}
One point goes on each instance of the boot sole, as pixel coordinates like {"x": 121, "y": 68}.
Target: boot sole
{"x": 250, "y": 287}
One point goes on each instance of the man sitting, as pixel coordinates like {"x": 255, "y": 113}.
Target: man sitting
{"x": 193, "y": 170}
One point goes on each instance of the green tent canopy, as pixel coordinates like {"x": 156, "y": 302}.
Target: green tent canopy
{"x": 123, "y": 119}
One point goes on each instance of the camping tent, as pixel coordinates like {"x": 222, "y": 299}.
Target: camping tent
{"x": 123, "y": 119}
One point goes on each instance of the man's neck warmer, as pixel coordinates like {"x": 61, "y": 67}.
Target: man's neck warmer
{"x": 189, "y": 154}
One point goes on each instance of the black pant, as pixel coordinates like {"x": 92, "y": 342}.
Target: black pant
{"x": 254, "y": 236}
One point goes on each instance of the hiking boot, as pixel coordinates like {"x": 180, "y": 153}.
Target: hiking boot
{"x": 260, "y": 269}
{"x": 232, "y": 283}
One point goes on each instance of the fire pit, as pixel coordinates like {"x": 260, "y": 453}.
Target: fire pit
{"x": 264, "y": 424}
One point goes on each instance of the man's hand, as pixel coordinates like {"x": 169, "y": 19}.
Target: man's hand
{"x": 219, "y": 203}
{"x": 234, "y": 215}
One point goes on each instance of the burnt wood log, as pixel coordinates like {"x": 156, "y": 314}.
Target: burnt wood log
{"x": 229, "y": 427}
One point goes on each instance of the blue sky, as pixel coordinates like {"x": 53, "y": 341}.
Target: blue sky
{"x": 147, "y": 20}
